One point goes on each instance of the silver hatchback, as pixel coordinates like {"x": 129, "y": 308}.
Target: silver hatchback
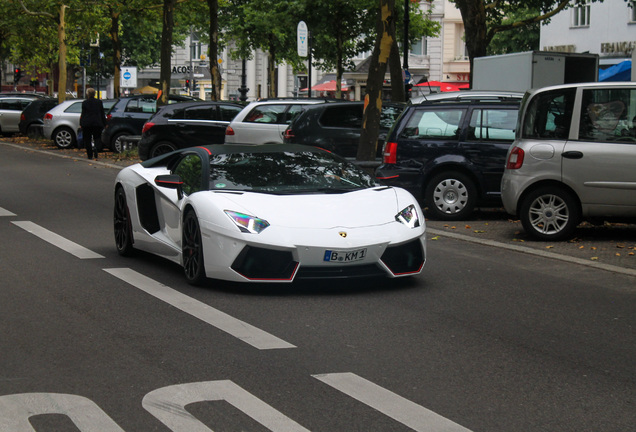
{"x": 574, "y": 158}
{"x": 61, "y": 123}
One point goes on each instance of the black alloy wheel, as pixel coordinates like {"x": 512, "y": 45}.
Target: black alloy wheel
{"x": 192, "y": 252}
{"x": 162, "y": 147}
{"x": 122, "y": 225}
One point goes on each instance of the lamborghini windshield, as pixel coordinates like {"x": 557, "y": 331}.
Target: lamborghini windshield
{"x": 286, "y": 172}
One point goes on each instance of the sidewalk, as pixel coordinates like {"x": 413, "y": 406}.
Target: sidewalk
{"x": 610, "y": 247}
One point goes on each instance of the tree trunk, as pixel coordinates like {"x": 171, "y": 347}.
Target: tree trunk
{"x": 61, "y": 36}
{"x": 375, "y": 81}
{"x": 339, "y": 67}
{"x": 271, "y": 71}
{"x": 166, "y": 51}
{"x": 398, "y": 92}
{"x": 114, "y": 35}
{"x": 213, "y": 54}
{"x": 474, "y": 18}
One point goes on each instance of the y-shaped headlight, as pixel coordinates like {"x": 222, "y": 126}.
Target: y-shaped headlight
{"x": 408, "y": 217}
{"x": 247, "y": 223}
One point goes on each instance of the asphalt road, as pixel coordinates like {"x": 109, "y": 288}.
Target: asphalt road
{"x": 489, "y": 338}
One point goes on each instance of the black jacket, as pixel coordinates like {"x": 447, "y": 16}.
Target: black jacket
{"x": 92, "y": 113}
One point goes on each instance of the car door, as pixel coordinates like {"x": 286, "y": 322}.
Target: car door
{"x": 600, "y": 164}
{"x": 10, "y": 110}
{"x": 190, "y": 169}
{"x": 489, "y": 134}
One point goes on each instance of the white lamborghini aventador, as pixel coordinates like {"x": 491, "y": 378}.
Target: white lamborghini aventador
{"x": 267, "y": 213}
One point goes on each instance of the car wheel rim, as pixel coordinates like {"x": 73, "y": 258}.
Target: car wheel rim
{"x": 549, "y": 214}
{"x": 450, "y": 196}
{"x": 122, "y": 225}
{"x": 117, "y": 145}
{"x": 191, "y": 248}
{"x": 63, "y": 139}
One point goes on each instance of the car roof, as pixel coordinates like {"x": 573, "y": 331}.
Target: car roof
{"x": 220, "y": 149}
{"x": 600, "y": 85}
{"x": 181, "y": 105}
{"x": 481, "y": 95}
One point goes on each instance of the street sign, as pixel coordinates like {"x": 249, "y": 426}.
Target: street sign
{"x": 407, "y": 76}
{"x": 303, "y": 42}
{"x": 128, "y": 76}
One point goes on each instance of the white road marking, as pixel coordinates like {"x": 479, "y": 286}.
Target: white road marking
{"x": 16, "y": 409}
{"x": 4, "y": 212}
{"x": 235, "y": 327}
{"x": 392, "y": 405}
{"x": 168, "y": 405}
{"x": 57, "y": 240}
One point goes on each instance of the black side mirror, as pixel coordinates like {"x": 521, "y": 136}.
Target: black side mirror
{"x": 170, "y": 181}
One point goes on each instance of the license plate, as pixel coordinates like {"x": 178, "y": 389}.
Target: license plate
{"x": 345, "y": 256}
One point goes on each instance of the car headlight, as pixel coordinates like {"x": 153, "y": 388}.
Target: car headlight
{"x": 247, "y": 223}
{"x": 408, "y": 217}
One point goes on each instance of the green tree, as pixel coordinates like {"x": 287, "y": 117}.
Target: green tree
{"x": 524, "y": 39}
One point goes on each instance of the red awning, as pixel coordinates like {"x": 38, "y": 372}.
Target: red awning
{"x": 443, "y": 86}
{"x": 327, "y": 86}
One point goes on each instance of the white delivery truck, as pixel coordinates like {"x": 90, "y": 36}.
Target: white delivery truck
{"x": 533, "y": 69}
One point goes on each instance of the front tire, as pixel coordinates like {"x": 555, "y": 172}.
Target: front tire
{"x": 122, "y": 224}
{"x": 450, "y": 196}
{"x": 192, "y": 249}
{"x": 550, "y": 213}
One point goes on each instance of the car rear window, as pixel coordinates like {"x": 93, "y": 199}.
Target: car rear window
{"x": 141, "y": 106}
{"x": 342, "y": 117}
{"x": 228, "y": 112}
{"x": 608, "y": 115}
{"x": 75, "y": 107}
{"x": 492, "y": 124}
{"x": 434, "y": 124}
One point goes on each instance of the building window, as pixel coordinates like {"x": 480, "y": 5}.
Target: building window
{"x": 581, "y": 15}
{"x": 420, "y": 48}
{"x": 195, "y": 47}
{"x": 632, "y": 11}
{"x": 461, "y": 52}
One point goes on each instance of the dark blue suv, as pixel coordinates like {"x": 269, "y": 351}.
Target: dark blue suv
{"x": 451, "y": 154}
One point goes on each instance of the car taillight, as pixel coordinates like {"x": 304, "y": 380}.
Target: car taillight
{"x": 515, "y": 158}
{"x": 288, "y": 134}
{"x": 147, "y": 126}
{"x": 390, "y": 153}
{"x": 108, "y": 117}
{"x": 229, "y": 131}
{"x": 22, "y": 117}
{"x": 48, "y": 116}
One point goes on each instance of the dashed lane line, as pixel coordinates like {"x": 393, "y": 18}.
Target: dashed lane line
{"x": 57, "y": 240}
{"x": 247, "y": 333}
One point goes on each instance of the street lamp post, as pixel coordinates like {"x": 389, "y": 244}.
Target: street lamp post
{"x": 243, "y": 89}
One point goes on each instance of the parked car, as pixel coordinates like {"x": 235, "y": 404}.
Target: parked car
{"x": 32, "y": 117}
{"x": 128, "y": 115}
{"x": 265, "y": 121}
{"x": 451, "y": 153}
{"x": 10, "y": 109}
{"x": 337, "y": 126}
{"x": 61, "y": 123}
{"x": 574, "y": 158}
{"x": 186, "y": 124}
{"x": 277, "y": 213}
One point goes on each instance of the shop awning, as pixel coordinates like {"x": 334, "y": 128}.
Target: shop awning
{"x": 443, "y": 86}
{"x": 327, "y": 86}
{"x": 619, "y": 72}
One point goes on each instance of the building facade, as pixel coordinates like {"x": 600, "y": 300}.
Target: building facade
{"x": 607, "y": 29}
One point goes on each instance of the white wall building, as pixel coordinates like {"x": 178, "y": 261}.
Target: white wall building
{"x": 607, "y": 29}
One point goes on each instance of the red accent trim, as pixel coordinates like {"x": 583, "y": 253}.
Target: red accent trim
{"x": 386, "y": 178}
{"x": 272, "y": 279}
{"x": 207, "y": 150}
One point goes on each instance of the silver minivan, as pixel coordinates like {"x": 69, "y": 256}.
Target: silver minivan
{"x": 574, "y": 158}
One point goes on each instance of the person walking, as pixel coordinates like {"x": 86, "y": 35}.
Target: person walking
{"x": 92, "y": 122}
